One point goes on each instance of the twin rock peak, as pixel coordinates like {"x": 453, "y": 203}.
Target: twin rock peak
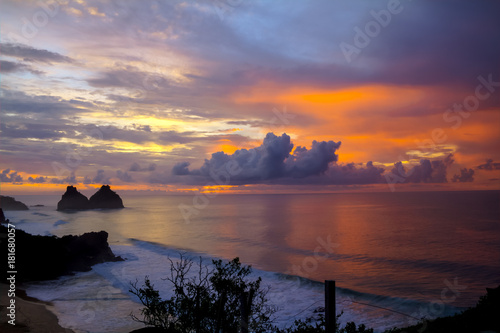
{"x": 103, "y": 198}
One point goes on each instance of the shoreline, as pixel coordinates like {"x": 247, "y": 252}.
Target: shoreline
{"x": 32, "y": 315}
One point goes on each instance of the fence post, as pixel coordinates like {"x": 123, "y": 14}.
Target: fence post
{"x": 330, "y": 306}
{"x": 244, "y": 312}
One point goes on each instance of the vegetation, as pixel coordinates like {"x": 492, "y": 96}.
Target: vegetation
{"x": 211, "y": 302}
{"x": 208, "y": 302}
{"x": 481, "y": 318}
{"x": 318, "y": 326}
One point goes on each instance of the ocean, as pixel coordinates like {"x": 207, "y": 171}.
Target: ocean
{"x": 395, "y": 257}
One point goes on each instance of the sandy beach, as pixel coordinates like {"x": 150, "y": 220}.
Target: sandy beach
{"x": 32, "y": 315}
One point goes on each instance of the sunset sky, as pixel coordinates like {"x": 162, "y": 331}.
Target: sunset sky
{"x": 249, "y": 96}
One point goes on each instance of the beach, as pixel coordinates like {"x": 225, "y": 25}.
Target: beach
{"x": 32, "y": 315}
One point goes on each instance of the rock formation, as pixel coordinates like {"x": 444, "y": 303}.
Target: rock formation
{"x": 73, "y": 199}
{"x": 9, "y": 203}
{"x": 105, "y": 198}
{"x": 48, "y": 257}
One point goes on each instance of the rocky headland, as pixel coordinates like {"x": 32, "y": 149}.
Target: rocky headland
{"x": 48, "y": 257}
{"x": 9, "y": 203}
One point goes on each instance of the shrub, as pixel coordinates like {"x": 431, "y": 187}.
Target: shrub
{"x": 208, "y": 302}
{"x": 311, "y": 325}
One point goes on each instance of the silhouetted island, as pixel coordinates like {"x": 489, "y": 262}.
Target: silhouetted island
{"x": 103, "y": 198}
{"x": 72, "y": 199}
{"x": 9, "y": 203}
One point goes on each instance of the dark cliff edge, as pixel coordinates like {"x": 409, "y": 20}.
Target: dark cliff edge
{"x": 49, "y": 257}
{"x": 9, "y": 203}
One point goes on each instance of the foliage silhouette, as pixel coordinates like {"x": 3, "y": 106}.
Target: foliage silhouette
{"x": 208, "y": 301}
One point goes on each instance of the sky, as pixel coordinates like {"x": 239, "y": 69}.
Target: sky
{"x": 245, "y": 96}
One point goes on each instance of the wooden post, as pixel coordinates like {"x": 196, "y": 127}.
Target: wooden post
{"x": 330, "y": 306}
{"x": 244, "y": 312}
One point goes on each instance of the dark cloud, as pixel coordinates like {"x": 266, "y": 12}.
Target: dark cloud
{"x": 10, "y": 176}
{"x": 70, "y": 180}
{"x": 489, "y": 165}
{"x": 177, "y": 137}
{"x": 181, "y": 169}
{"x": 466, "y": 175}
{"x": 35, "y": 131}
{"x": 341, "y": 174}
{"x": 350, "y": 174}
{"x": 304, "y": 162}
{"x": 462, "y": 50}
{"x": 37, "y": 180}
{"x": 28, "y": 53}
{"x": 124, "y": 176}
{"x": 11, "y": 67}
{"x": 143, "y": 134}
{"x": 128, "y": 77}
{"x": 101, "y": 178}
{"x": 250, "y": 165}
{"x": 309, "y": 53}
{"x": 426, "y": 172}
{"x": 396, "y": 55}
{"x": 145, "y": 128}
{"x": 274, "y": 163}
{"x": 97, "y": 136}
{"x": 136, "y": 167}
{"x": 21, "y": 103}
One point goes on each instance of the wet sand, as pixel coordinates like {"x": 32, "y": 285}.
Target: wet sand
{"x": 32, "y": 315}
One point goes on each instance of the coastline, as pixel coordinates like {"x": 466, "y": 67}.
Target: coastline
{"x": 32, "y": 315}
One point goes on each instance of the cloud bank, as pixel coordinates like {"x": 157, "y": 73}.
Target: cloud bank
{"x": 276, "y": 162}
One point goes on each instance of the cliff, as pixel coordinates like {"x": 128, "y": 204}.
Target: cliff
{"x": 9, "y": 203}
{"x": 48, "y": 257}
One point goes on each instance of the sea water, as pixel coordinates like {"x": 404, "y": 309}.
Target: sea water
{"x": 395, "y": 257}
